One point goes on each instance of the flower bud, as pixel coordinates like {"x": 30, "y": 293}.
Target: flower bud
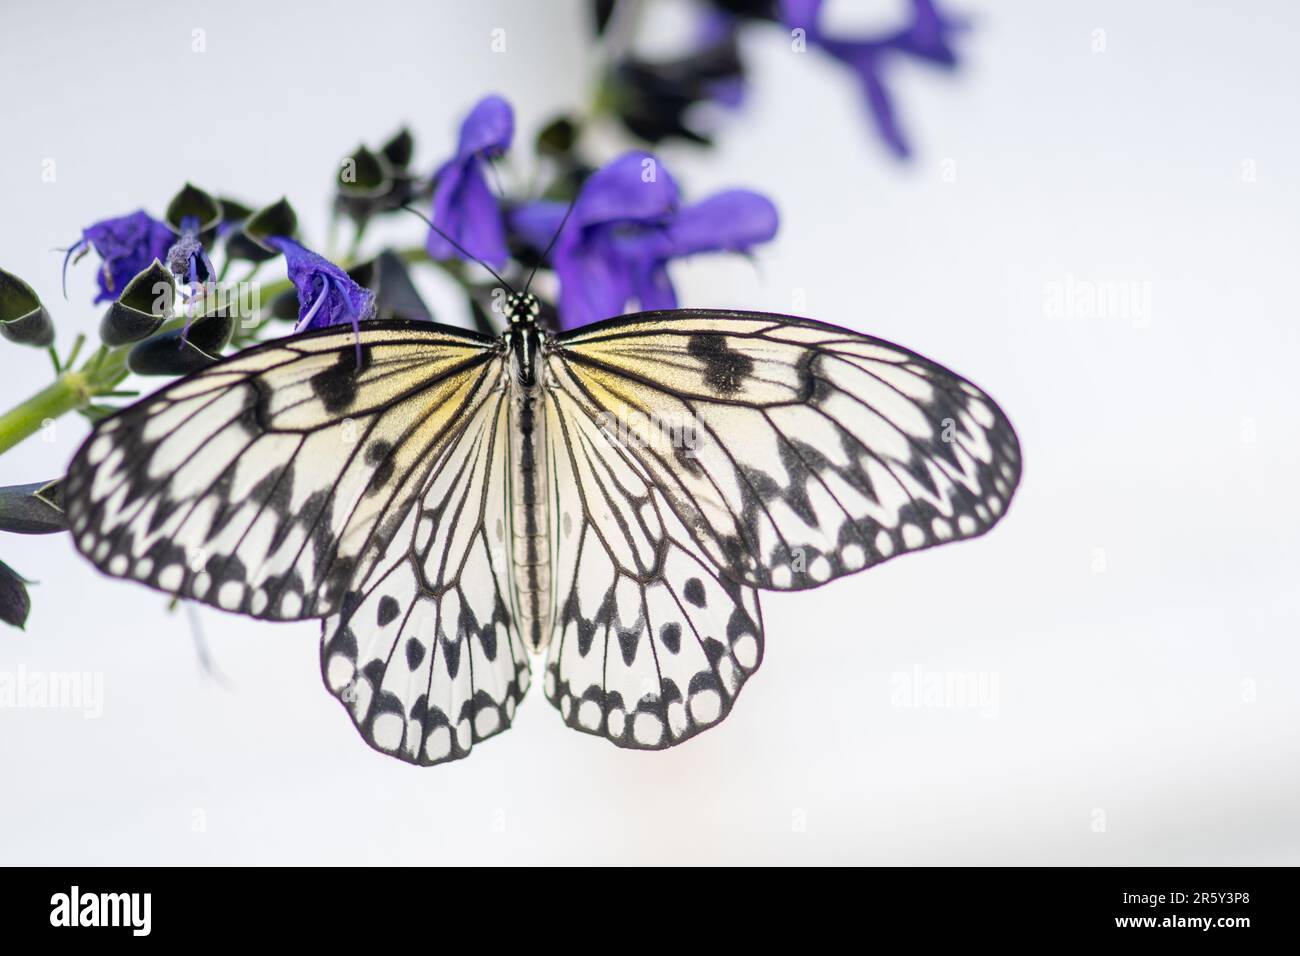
{"x": 32, "y": 509}
{"x": 22, "y": 317}
{"x": 277, "y": 219}
{"x": 192, "y": 209}
{"x": 182, "y": 351}
{"x": 15, "y": 605}
{"x": 145, "y": 304}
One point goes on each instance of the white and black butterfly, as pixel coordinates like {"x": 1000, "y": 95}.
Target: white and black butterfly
{"x": 451, "y": 503}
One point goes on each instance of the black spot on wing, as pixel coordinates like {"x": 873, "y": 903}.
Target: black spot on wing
{"x": 451, "y": 654}
{"x": 725, "y": 370}
{"x": 379, "y": 455}
{"x": 694, "y": 592}
{"x": 388, "y": 610}
{"x": 671, "y": 636}
{"x": 336, "y": 386}
{"x": 414, "y": 653}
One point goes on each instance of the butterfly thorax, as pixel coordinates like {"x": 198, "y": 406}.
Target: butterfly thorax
{"x": 529, "y": 474}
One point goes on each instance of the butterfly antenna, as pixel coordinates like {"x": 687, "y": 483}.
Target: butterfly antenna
{"x": 551, "y": 245}
{"x": 458, "y": 247}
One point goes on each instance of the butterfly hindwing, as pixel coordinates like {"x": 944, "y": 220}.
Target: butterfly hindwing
{"x": 796, "y": 452}
{"x": 651, "y": 644}
{"x": 425, "y": 653}
{"x": 264, "y": 483}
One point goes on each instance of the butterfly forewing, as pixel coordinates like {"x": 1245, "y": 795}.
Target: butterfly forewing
{"x": 265, "y": 483}
{"x": 796, "y": 452}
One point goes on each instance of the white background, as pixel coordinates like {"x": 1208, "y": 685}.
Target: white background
{"x": 1137, "y": 608}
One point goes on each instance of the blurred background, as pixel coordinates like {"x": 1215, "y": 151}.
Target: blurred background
{"x": 1099, "y": 223}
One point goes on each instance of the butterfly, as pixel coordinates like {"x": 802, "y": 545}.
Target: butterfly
{"x": 451, "y": 504}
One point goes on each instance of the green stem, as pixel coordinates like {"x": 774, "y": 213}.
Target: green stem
{"x": 66, "y": 393}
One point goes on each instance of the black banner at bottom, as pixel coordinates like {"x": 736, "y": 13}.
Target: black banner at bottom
{"x": 1227, "y": 905}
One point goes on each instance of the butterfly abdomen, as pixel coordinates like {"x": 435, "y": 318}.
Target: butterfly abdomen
{"x": 530, "y": 520}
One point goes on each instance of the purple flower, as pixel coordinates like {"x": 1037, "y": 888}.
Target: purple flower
{"x": 326, "y": 294}
{"x": 925, "y": 37}
{"x": 463, "y": 205}
{"x": 125, "y": 245}
{"x": 626, "y": 226}
{"x": 187, "y": 259}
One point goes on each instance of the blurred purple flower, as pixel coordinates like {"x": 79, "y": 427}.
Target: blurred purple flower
{"x": 125, "y": 245}
{"x": 626, "y": 226}
{"x": 463, "y": 205}
{"x": 925, "y": 37}
{"x": 326, "y": 294}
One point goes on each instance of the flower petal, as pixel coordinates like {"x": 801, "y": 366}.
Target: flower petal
{"x": 634, "y": 187}
{"x": 882, "y": 111}
{"x": 800, "y": 13}
{"x": 734, "y": 220}
{"x": 465, "y": 209}
{"x": 537, "y": 222}
{"x": 594, "y": 285}
{"x": 326, "y": 294}
{"x": 126, "y": 245}
{"x": 652, "y": 288}
{"x": 489, "y": 126}
{"x": 463, "y": 205}
{"x": 480, "y": 230}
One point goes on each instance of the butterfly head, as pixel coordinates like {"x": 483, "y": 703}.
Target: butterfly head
{"x": 522, "y": 308}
